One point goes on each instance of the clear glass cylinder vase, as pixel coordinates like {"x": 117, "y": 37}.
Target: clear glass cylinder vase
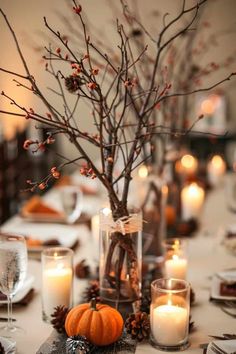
{"x": 120, "y": 256}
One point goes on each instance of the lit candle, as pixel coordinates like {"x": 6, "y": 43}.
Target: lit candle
{"x": 143, "y": 171}
{"x": 216, "y": 170}
{"x": 57, "y": 281}
{"x": 169, "y": 324}
{"x": 187, "y": 165}
{"x": 95, "y": 229}
{"x": 169, "y": 313}
{"x": 176, "y": 267}
{"x": 192, "y": 198}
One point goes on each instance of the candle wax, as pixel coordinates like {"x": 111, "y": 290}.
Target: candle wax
{"x": 169, "y": 324}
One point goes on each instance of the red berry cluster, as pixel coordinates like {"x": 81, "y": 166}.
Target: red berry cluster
{"x": 87, "y": 172}
{"x": 55, "y": 173}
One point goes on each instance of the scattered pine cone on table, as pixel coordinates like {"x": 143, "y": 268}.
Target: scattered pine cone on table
{"x": 93, "y": 291}
{"x": 2, "y": 350}
{"x": 77, "y": 344}
{"x": 82, "y": 270}
{"x": 138, "y": 325}
{"x": 59, "y": 318}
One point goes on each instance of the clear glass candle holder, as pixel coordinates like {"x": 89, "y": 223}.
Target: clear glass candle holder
{"x": 57, "y": 280}
{"x": 169, "y": 314}
{"x": 175, "y": 258}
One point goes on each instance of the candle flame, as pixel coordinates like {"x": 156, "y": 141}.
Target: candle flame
{"x": 55, "y": 255}
{"x": 188, "y": 161}
{"x": 143, "y": 172}
{"x": 106, "y": 211}
{"x": 169, "y": 302}
{"x": 217, "y": 161}
{"x": 175, "y": 257}
{"x": 176, "y": 245}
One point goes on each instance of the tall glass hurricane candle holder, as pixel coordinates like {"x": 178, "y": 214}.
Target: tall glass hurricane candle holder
{"x": 120, "y": 256}
{"x": 175, "y": 255}
{"x": 57, "y": 279}
{"x": 169, "y": 314}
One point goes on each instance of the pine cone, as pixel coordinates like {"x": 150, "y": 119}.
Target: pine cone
{"x": 2, "y": 350}
{"x": 93, "y": 291}
{"x": 82, "y": 270}
{"x": 138, "y": 325}
{"x": 59, "y": 318}
{"x": 73, "y": 83}
{"x": 77, "y": 344}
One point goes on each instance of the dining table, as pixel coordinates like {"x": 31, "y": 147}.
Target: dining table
{"x": 207, "y": 255}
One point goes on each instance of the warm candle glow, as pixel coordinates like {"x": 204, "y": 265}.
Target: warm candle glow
{"x": 216, "y": 170}
{"x": 169, "y": 324}
{"x": 192, "y": 198}
{"x": 143, "y": 171}
{"x": 188, "y": 161}
{"x": 187, "y": 165}
{"x": 176, "y": 267}
{"x": 217, "y": 161}
{"x": 57, "y": 287}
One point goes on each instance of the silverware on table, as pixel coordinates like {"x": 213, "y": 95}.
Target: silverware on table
{"x": 229, "y": 312}
{"x": 216, "y": 349}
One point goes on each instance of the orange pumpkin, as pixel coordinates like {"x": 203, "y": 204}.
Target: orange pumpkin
{"x": 100, "y": 324}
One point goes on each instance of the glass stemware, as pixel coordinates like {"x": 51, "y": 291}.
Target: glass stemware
{"x": 13, "y": 268}
{"x": 72, "y": 201}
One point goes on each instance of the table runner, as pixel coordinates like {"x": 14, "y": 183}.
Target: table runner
{"x": 56, "y": 344}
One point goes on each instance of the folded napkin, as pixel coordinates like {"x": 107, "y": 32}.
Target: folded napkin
{"x": 228, "y": 346}
{"x": 9, "y": 346}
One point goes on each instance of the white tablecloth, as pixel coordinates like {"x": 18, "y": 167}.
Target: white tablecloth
{"x": 206, "y": 257}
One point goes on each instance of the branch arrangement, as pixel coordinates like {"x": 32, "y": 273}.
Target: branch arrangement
{"x": 125, "y": 91}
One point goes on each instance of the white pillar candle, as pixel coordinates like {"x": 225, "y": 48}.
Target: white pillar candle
{"x": 169, "y": 324}
{"x": 176, "y": 267}
{"x": 215, "y": 170}
{"x": 192, "y": 198}
{"x": 57, "y": 287}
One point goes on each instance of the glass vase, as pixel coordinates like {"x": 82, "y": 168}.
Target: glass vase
{"x": 120, "y": 257}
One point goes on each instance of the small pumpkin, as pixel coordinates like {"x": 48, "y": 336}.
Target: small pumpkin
{"x": 99, "y": 323}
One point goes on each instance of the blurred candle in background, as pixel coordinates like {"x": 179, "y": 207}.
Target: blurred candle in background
{"x": 216, "y": 168}
{"x": 187, "y": 165}
{"x": 192, "y": 198}
{"x": 143, "y": 171}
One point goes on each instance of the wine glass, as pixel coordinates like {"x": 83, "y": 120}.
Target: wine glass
{"x": 13, "y": 267}
{"x": 71, "y": 199}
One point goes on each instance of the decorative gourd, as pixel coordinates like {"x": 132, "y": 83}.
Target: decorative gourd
{"x": 100, "y": 324}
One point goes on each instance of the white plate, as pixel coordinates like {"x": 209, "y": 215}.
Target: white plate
{"x": 229, "y": 275}
{"x": 23, "y": 291}
{"x": 67, "y": 235}
{"x": 9, "y": 346}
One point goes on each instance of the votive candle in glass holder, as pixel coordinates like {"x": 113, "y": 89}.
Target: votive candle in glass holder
{"x": 169, "y": 314}
{"x": 175, "y": 255}
{"x": 57, "y": 279}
